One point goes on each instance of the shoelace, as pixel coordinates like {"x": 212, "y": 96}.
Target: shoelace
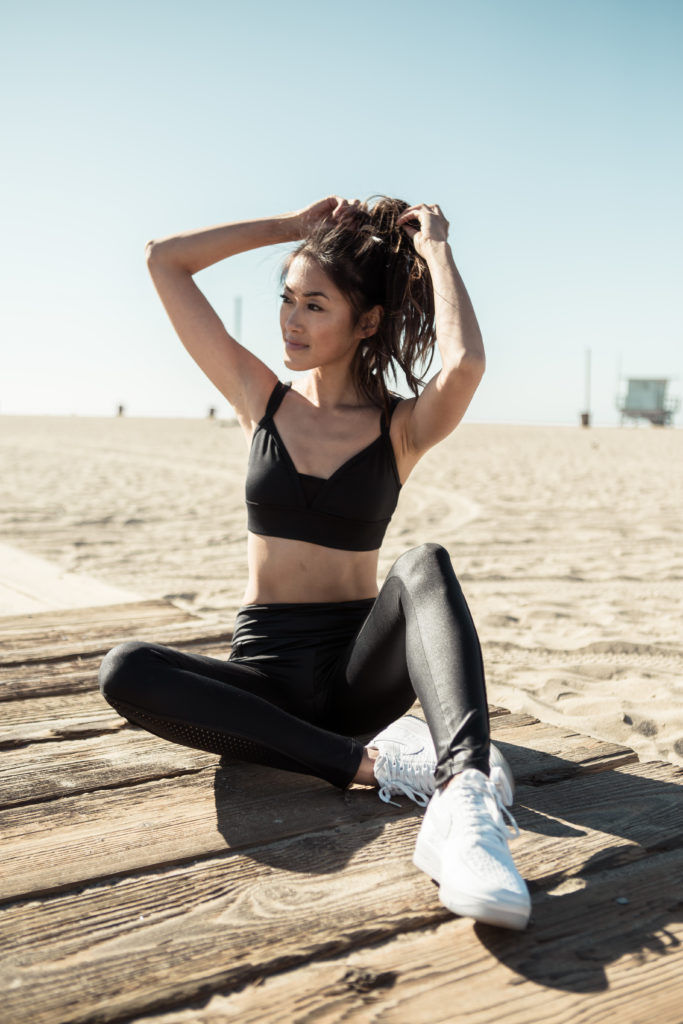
{"x": 416, "y": 780}
{"x": 510, "y": 826}
{"x": 484, "y": 811}
{"x": 417, "y": 783}
{"x": 503, "y": 821}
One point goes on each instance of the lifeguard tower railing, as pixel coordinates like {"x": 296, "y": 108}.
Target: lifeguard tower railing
{"x": 646, "y": 398}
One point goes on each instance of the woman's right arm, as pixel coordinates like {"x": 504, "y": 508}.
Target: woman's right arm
{"x": 238, "y": 374}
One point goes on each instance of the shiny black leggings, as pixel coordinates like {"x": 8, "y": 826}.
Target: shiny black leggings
{"x": 304, "y": 681}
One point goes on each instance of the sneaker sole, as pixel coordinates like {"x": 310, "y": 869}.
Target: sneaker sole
{"x": 427, "y": 860}
{"x": 504, "y": 913}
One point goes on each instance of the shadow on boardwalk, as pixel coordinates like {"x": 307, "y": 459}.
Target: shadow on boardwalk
{"x": 627, "y": 900}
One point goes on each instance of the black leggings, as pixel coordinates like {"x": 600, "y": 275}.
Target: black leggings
{"x": 304, "y": 681}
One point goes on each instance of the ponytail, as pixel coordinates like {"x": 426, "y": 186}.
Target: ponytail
{"x": 373, "y": 262}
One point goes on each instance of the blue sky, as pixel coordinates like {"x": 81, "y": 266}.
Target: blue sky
{"x": 549, "y": 132}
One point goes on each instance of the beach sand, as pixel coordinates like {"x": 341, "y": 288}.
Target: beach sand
{"x": 568, "y": 544}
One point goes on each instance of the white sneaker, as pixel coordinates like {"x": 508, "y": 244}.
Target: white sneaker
{"x": 406, "y": 763}
{"x": 462, "y": 844}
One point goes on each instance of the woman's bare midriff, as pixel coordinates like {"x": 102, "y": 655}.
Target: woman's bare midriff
{"x": 294, "y": 572}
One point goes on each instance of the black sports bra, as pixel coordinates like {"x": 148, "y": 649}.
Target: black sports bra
{"x": 350, "y": 510}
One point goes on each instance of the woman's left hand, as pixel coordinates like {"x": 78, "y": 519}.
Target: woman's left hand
{"x": 330, "y": 208}
{"x": 433, "y": 225}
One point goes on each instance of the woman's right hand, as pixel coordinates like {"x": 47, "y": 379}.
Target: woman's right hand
{"x": 424, "y": 223}
{"x": 330, "y": 208}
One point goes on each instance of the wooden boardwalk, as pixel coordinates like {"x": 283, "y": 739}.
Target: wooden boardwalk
{"x": 142, "y": 881}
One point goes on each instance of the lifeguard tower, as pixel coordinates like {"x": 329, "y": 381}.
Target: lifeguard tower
{"x": 646, "y": 399}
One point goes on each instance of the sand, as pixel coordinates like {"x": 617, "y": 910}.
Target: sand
{"x": 568, "y": 544}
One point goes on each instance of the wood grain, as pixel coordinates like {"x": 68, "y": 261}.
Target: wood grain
{"x": 53, "y": 844}
{"x": 57, "y": 718}
{"x": 73, "y": 633}
{"x": 167, "y": 935}
{"x": 71, "y": 674}
{"x": 46, "y": 771}
{"x": 622, "y": 966}
{"x": 38, "y": 764}
{"x": 138, "y": 876}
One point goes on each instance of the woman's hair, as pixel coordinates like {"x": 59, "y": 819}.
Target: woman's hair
{"x": 373, "y": 262}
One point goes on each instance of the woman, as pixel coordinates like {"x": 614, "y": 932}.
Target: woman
{"x": 319, "y": 657}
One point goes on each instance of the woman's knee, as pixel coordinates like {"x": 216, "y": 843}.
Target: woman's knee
{"x": 122, "y": 669}
{"x": 425, "y": 562}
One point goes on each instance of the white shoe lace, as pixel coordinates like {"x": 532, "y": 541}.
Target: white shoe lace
{"x": 505, "y": 819}
{"x": 484, "y": 809}
{"x": 414, "y": 780}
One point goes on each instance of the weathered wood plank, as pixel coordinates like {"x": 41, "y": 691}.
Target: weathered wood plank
{"x": 29, "y": 727}
{"x": 44, "y": 771}
{"x": 48, "y": 679}
{"x": 554, "y": 752}
{"x": 77, "y": 839}
{"x": 52, "y": 845}
{"x": 216, "y": 924}
{"x": 164, "y": 937}
{"x": 60, "y": 746}
{"x": 585, "y": 958}
{"x": 50, "y": 636}
{"x": 69, "y": 622}
{"x": 78, "y": 673}
{"x": 57, "y": 718}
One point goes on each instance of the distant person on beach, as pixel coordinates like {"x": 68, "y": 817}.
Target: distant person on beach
{"x": 320, "y": 658}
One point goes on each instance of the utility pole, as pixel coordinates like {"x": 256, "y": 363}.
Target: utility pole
{"x": 586, "y": 414}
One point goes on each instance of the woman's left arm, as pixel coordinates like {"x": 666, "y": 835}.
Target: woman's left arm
{"x": 444, "y": 401}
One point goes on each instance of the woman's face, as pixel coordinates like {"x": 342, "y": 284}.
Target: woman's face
{"x": 316, "y": 319}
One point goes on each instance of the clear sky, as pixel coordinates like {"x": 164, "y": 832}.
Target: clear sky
{"x": 549, "y": 132}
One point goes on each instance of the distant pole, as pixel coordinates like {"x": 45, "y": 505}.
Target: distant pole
{"x": 238, "y": 317}
{"x": 586, "y": 415}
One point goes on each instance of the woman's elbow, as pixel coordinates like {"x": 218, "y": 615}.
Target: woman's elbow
{"x": 152, "y": 251}
{"x": 159, "y": 257}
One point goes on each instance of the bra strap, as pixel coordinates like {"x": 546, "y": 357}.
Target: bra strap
{"x": 276, "y": 396}
{"x": 385, "y": 422}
